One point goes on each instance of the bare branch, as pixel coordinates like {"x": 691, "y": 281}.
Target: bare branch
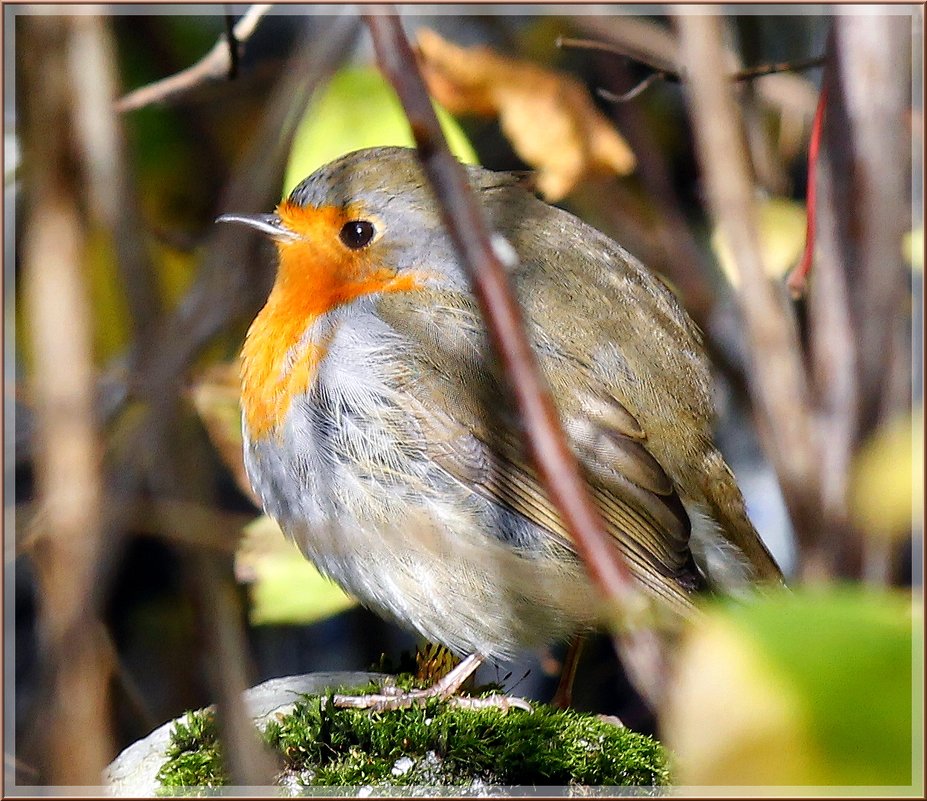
{"x": 234, "y": 45}
{"x": 776, "y": 375}
{"x": 111, "y": 184}
{"x": 219, "y": 620}
{"x": 648, "y": 42}
{"x": 642, "y": 42}
{"x": 761, "y": 70}
{"x": 73, "y": 719}
{"x": 484, "y": 254}
{"x": 857, "y": 322}
{"x": 798, "y": 277}
{"x": 869, "y": 107}
{"x": 217, "y": 64}
{"x": 663, "y": 72}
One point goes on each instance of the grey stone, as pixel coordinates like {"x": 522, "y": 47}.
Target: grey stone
{"x": 134, "y": 771}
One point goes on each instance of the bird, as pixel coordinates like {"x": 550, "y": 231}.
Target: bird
{"x": 381, "y": 434}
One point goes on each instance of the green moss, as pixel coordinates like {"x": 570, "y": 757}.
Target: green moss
{"x": 435, "y": 745}
{"x": 194, "y": 757}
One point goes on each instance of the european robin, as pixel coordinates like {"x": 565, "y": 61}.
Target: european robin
{"x": 380, "y": 434}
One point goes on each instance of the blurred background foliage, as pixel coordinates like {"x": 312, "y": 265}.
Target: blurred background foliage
{"x": 811, "y": 688}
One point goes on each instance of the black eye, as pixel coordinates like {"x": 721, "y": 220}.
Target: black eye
{"x": 357, "y": 234}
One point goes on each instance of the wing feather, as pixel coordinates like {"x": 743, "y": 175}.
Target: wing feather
{"x": 474, "y": 435}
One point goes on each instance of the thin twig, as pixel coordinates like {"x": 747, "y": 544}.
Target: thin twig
{"x": 665, "y": 72}
{"x": 234, "y": 45}
{"x": 634, "y": 91}
{"x": 797, "y": 65}
{"x": 776, "y": 374}
{"x": 224, "y": 657}
{"x": 487, "y": 259}
{"x": 216, "y": 65}
{"x": 648, "y": 42}
{"x": 798, "y": 279}
{"x": 661, "y": 72}
{"x": 651, "y": 60}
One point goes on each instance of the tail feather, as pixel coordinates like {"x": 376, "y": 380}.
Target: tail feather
{"x": 725, "y": 505}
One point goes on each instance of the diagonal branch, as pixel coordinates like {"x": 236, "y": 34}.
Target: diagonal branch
{"x": 663, "y": 70}
{"x": 234, "y": 45}
{"x": 649, "y": 42}
{"x": 219, "y": 63}
{"x": 487, "y": 258}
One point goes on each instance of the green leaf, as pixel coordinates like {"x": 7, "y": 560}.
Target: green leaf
{"x": 805, "y": 688}
{"x": 285, "y": 587}
{"x": 358, "y": 109}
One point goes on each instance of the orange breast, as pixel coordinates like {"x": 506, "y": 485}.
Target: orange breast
{"x": 316, "y": 274}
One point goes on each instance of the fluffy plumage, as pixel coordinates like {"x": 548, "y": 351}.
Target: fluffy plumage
{"x": 380, "y": 434}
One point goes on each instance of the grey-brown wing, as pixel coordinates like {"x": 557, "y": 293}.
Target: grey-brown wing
{"x": 474, "y": 434}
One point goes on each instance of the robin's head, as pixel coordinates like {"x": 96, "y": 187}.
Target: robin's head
{"x": 358, "y": 226}
{"x": 363, "y": 225}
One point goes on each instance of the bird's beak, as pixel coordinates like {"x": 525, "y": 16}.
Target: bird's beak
{"x": 269, "y": 224}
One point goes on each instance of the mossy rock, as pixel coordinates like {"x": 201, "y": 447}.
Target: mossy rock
{"x": 433, "y": 746}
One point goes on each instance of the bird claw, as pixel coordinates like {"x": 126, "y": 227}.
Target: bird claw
{"x": 391, "y": 697}
{"x": 495, "y": 701}
{"x": 388, "y": 701}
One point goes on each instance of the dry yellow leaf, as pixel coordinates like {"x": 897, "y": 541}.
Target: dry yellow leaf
{"x": 781, "y": 227}
{"x": 548, "y": 116}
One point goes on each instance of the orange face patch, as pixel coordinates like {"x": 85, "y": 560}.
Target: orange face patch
{"x": 316, "y": 273}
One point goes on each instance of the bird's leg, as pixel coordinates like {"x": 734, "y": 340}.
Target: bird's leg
{"x": 563, "y": 697}
{"x": 452, "y": 681}
{"x": 445, "y": 689}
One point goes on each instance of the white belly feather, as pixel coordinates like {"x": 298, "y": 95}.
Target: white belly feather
{"x": 349, "y": 482}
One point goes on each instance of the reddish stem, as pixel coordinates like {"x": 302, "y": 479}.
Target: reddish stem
{"x": 798, "y": 279}
{"x": 467, "y": 226}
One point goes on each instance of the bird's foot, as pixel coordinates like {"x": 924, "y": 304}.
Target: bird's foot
{"x": 391, "y": 697}
{"x": 383, "y": 702}
{"x": 563, "y": 698}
